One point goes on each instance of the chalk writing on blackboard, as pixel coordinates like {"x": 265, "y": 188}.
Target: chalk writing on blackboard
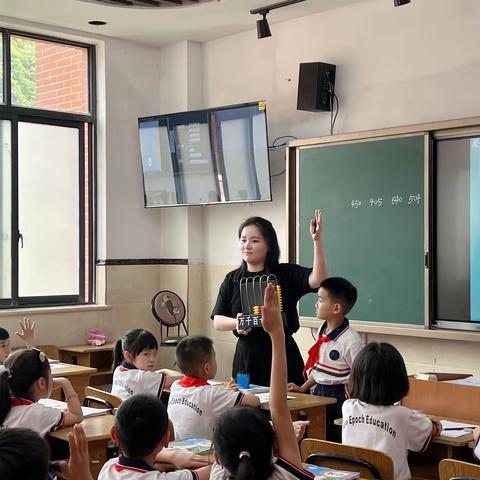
{"x": 413, "y": 199}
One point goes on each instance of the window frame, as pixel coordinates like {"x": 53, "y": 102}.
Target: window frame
{"x": 84, "y": 122}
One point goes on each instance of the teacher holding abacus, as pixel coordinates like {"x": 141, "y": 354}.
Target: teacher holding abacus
{"x": 260, "y": 254}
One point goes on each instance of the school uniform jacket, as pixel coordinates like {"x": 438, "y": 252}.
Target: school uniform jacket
{"x": 336, "y": 356}
{"x": 392, "y": 429}
{"x": 282, "y": 470}
{"x": 39, "y": 418}
{"x": 194, "y": 406}
{"x": 476, "y": 450}
{"x": 123, "y": 468}
{"x": 129, "y": 380}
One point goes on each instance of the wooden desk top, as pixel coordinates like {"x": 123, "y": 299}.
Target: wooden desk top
{"x": 88, "y": 348}
{"x": 462, "y": 441}
{"x": 303, "y": 401}
{"x": 67, "y": 370}
{"x": 96, "y": 428}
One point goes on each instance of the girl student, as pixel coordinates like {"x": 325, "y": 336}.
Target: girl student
{"x": 27, "y": 334}
{"x": 260, "y": 256}
{"x": 25, "y": 378}
{"x": 373, "y": 417}
{"x": 244, "y": 441}
{"x": 135, "y": 356}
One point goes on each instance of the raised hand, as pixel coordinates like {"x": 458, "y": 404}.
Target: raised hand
{"x": 78, "y": 465}
{"x": 27, "y": 332}
{"x": 271, "y": 314}
{"x": 316, "y": 225}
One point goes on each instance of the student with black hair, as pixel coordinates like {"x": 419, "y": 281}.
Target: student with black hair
{"x": 244, "y": 441}
{"x": 331, "y": 358}
{"x": 194, "y": 405}
{"x": 373, "y": 417}
{"x": 26, "y": 334}
{"x": 25, "y": 378}
{"x": 260, "y": 256}
{"x": 141, "y": 431}
{"x": 135, "y": 357}
{"x": 24, "y": 454}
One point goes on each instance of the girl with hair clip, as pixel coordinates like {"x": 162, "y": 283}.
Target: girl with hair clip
{"x": 260, "y": 256}
{"x": 135, "y": 356}
{"x": 25, "y": 378}
{"x": 244, "y": 442}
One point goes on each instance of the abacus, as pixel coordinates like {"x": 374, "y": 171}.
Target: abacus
{"x": 252, "y": 291}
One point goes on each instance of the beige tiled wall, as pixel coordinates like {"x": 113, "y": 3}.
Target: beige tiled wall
{"x": 129, "y": 290}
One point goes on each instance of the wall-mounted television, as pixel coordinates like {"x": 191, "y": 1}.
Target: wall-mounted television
{"x": 217, "y": 155}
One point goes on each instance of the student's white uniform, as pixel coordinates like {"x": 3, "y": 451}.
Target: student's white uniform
{"x": 336, "y": 355}
{"x": 128, "y": 381}
{"x": 392, "y": 429}
{"x": 282, "y": 470}
{"x": 194, "y": 406}
{"x": 39, "y": 418}
{"x": 123, "y": 468}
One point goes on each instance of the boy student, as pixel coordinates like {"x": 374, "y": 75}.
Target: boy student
{"x": 331, "y": 357}
{"x": 141, "y": 431}
{"x": 195, "y": 405}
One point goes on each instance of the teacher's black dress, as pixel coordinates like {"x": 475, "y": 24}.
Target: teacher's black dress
{"x": 253, "y": 353}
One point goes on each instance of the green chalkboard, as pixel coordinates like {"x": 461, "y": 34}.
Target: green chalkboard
{"x": 372, "y": 196}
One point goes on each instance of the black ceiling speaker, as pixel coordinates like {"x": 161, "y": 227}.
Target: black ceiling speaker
{"x": 399, "y": 3}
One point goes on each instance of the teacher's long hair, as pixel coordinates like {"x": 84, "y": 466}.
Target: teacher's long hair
{"x": 270, "y": 236}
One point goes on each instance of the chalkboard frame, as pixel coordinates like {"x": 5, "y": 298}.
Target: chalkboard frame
{"x": 293, "y": 206}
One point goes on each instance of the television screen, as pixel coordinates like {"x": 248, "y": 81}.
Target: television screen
{"x": 217, "y": 155}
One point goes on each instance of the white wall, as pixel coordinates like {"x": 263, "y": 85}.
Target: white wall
{"x": 395, "y": 66}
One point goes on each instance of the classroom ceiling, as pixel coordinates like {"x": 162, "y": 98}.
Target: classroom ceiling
{"x": 161, "y": 26}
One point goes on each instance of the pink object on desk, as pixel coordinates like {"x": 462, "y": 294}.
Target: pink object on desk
{"x": 96, "y": 337}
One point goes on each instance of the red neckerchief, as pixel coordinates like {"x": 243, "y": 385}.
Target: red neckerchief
{"x": 187, "y": 381}
{"x": 313, "y": 354}
{"x": 17, "y": 402}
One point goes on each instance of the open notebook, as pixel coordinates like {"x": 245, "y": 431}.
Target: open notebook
{"x": 87, "y": 411}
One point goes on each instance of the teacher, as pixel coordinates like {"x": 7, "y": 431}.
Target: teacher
{"x": 260, "y": 254}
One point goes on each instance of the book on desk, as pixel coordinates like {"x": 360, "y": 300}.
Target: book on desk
{"x": 87, "y": 411}
{"x": 323, "y": 473}
{"x": 192, "y": 445}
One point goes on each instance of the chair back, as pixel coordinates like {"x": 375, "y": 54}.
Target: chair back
{"x": 449, "y": 469}
{"x": 96, "y": 398}
{"x": 371, "y": 464}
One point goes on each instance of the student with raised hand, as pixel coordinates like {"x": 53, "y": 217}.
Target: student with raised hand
{"x": 78, "y": 465}
{"x": 194, "y": 405}
{"x": 244, "y": 440}
{"x": 135, "y": 357}
{"x": 27, "y": 334}
{"x": 373, "y": 417}
{"x": 141, "y": 431}
{"x": 331, "y": 358}
{"x": 260, "y": 256}
{"x": 25, "y": 378}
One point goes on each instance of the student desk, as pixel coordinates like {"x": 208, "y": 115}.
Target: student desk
{"x": 100, "y": 358}
{"x": 447, "y": 401}
{"x": 97, "y": 429}
{"x": 308, "y": 407}
{"x": 79, "y": 377}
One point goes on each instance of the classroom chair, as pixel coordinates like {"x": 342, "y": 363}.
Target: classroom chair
{"x": 94, "y": 397}
{"x": 371, "y": 464}
{"x": 449, "y": 469}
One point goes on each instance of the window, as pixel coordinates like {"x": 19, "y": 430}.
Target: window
{"x": 47, "y": 120}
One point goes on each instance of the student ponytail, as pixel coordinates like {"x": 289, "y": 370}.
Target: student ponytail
{"x": 134, "y": 341}
{"x": 117, "y": 354}
{"x": 245, "y": 470}
{"x": 243, "y": 441}
{"x": 20, "y": 371}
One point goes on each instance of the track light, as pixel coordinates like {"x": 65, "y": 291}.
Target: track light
{"x": 399, "y": 3}
{"x": 263, "y": 29}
